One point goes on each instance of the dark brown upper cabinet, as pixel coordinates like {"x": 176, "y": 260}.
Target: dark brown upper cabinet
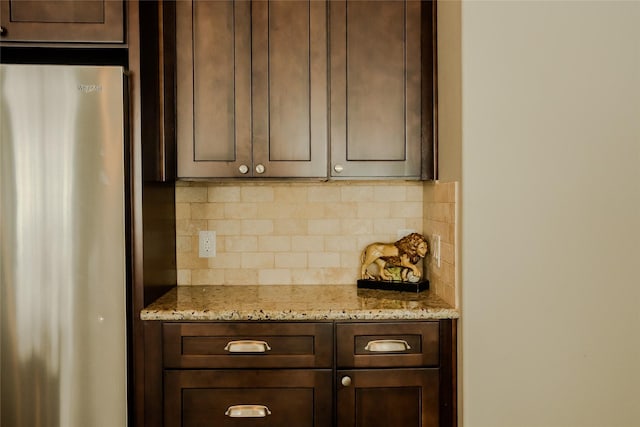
{"x": 252, "y": 88}
{"x": 382, "y": 89}
{"x": 80, "y": 21}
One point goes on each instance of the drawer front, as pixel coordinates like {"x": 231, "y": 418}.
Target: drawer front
{"x": 388, "y": 344}
{"x": 279, "y": 398}
{"x": 248, "y": 345}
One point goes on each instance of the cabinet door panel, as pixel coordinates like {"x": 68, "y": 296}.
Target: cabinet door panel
{"x": 388, "y": 397}
{"x": 290, "y": 87}
{"x": 376, "y": 88}
{"x": 214, "y": 87}
{"x": 62, "y": 21}
{"x": 286, "y": 397}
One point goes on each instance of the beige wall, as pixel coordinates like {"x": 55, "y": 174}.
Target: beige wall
{"x": 550, "y": 213}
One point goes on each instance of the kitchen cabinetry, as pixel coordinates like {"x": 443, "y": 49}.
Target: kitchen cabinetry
{"x": 251, "y": 88}
{"x": 215, "y": 373}
{"x": 388, "y": 374}
{"x": 382, "y": 373}
{"x": 98, "y": 21}
{"x": 382, "y": 89}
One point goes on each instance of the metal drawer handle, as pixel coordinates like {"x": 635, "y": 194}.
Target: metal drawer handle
{"x": 247, "y": 346}
{"x": 247, "y": 411}
{"x": 383, "y": 346}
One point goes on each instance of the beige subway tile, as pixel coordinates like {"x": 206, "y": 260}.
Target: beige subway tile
{"x": 274, "y": 244}
{"x": 184, "y": 277}
{"x": 190, "y": 261}
{"x": 323, "y": 259}
{"x": 290, "y": 194}
{"x": 240, "y": 210}
{"x": 356, "y": 193}
{"x": 184, "y": 243}
{"x": 407, "y": 210}
{"x": 312, "y": 210}
{"x": 207, "y": 277}
{"x": 225, "y": 227}
{"x": 223, "y": 193}
{"x": 257, "y": 260}
{"x": 190, "y": 227}
{"x": 447, "y": 253}
{"x": 307, "y": 276}
{"x": 415, "y": 224}
{"x": 256, "y": 194}
{"x": 444, "y": 230}
{"x": 224, "y": 260}
{"x": 415, "y": 193}
{"x": 388, "y": 225}
{"x": 289, "y": 226}
{"x": 241, "y": 244}
{"x": 354, "y": 227}
{"x": 350, "y": 259}
{"x": 183, "y": 210}
{"x": 274, "y": 276}
{"x": 207, "y": 210}
{"x": 428, "y": 194}
{"x": 444, "y": 212}
{"x": 256, "y": 227}
{"x": 191, "y": 194}
{"x": 291, "y": 260}
{"x": 324, "y": 193}
{"x": 240, "y": 277}
{"x": 323, "y": 226}
{"x": 307, "y": 243}
{"x": 339, "y": 276}
{"x": 341, "y": 210}
{"x": 375, "y": 210}
{"x": 445, "y": 192}
{"x": 387, "y": 194}
{"x": 339, "y": 243}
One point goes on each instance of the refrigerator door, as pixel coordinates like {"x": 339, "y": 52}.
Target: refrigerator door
{"x": 62, "y": 241}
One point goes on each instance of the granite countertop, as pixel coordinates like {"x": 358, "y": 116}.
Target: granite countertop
{"x": 295, "y": 302}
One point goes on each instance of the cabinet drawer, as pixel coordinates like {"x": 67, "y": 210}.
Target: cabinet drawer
{"x": 388, "y": 344}
{"x": 238, "y": 398}
{"x": 248, "y": 345}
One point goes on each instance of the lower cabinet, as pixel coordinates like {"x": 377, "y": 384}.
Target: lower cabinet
{"x": 320, "y": 374}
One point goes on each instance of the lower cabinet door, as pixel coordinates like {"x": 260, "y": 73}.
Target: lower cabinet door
{"x": 194, "y": 398}
{"x": 387, "y": 397}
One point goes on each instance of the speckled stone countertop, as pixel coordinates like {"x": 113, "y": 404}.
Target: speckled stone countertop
{"x": 291, "y": 302}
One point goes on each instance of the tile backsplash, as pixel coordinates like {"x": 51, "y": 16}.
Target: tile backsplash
{"x": 291, "y": 233}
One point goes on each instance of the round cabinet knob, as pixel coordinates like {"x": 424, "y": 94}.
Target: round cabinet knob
{"x": 346, "y": 381}
{"x": 2, "y": 31}
{"x": 260, "y": 168}
{"x": 243, "y": 169}
{"x": 338, "y": 168}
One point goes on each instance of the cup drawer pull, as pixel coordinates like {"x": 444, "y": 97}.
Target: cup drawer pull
{"x": 247, "y": 346}
{"x": 384, "y": 346}
{"x": 247, "y": 411}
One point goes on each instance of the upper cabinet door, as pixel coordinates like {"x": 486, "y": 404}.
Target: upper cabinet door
{"x": 251, "y": 88}
{"x": 213, "y": 55}
{"x": 290, "y": 88}
{"x": 92, "y": 21}
{"x": 377, "y": 87}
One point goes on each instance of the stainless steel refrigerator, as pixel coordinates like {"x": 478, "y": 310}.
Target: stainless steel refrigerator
{"x": 63, "y": 246}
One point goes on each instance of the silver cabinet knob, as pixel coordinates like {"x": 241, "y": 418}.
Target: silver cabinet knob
{"x": 243, "y": 169}
{"x": 260, "y": 168}
{"x": 338, "y": 168}
{"x": 346, "y": 381}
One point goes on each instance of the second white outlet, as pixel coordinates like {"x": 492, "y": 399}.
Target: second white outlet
{"x": 207, "y": 244}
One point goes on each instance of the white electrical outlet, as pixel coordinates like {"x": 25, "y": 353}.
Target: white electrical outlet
{"x": 435, "y": 249}
{"x": 207, "y": 244}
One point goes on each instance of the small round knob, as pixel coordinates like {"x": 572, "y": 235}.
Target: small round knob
{"x": 243, "y": 169}
{"x": 338, "y": 168}
{"x": 346, "y": 381}
{"x": 260, "y": 168}
{"x": 2, "y": 30}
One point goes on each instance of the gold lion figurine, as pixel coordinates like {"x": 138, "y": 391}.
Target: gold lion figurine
{"x": 404, "y": 253}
